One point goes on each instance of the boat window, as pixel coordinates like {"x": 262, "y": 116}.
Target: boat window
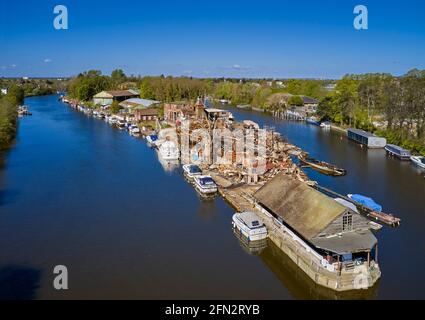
{"x": 347, "y": 222}
{"x": 255, "y": 223}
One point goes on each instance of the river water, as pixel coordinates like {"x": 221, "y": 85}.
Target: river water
{"x": 76, "y": 192}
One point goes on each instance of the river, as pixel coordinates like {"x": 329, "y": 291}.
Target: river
{"x": 77, "y": 192}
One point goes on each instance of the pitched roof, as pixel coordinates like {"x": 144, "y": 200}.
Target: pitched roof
{"x": 115, "y": 93}
{"x": 303, "y": 208}
{"x": 137, "y": 102}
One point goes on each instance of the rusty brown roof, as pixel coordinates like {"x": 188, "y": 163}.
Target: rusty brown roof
{"x": 146, "y": 112}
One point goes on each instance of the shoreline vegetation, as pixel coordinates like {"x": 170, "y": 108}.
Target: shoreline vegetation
{"x": 9, "y": 115}
{"x": 387, "y": 105}
{"x": 13, "y": 93}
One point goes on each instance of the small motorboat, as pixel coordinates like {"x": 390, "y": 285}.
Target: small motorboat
{"x": 169, "y": 151}
{"x": 205, "y": 184}
{"x": 112, "y": 120}
{"x": 121, "y": 123}
{"x": 191, "y": 170}
{"x": 313, "y": 121}
{"x": 322, "y": 166}
{"x": 151, "y": 139}
{"x": 325, "y": 125}
{"x": 134, "y": 130}
{"x": 250, "y": 225}
{"x": 419, "y": 161}
{"x": 365, "y": 201}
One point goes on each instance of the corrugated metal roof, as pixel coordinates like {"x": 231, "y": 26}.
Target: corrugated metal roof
{"x": 362, "y": 133}
{"x": 133, "y": 102}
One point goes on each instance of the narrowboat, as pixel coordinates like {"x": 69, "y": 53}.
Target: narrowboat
{"x": 250, "y": 225}
{"x": 365, "y": 201}
{"x": 398, "y": 152}
{"x": 322, "y": 166}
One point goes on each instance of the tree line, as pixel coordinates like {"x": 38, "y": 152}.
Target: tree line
{"x": 8, "y": 114}
{"x": 391, "y": 106}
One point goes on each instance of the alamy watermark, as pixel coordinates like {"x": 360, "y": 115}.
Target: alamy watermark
{"x": 361, "y": 21}
{"x": 60, "y": 22}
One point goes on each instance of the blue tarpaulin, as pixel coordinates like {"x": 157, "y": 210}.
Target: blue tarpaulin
{"x": 366, "y": 201}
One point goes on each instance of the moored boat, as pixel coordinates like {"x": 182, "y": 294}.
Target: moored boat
{"x": 134, "y": 130}
{"x": 250, "y": 225}
{"x": 313, "y": 121}
{"x": 205, "y": 184}
{"x": 151, "y": 139}
{"x": 191, "y": 170}
{"x": 419, "y": 161}
{"x": 322, "y": 166}
{"x": 325, "y": 125}
{"x": 398, "y": 152}
{"x": 365, "y": 201}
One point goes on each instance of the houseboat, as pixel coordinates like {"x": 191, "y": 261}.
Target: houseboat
{"x": 366, "y": 138}
{"x": 205, "y": 184}
{"x": 169, "y": 151}
{"x": 419, "y": 161}
{"x": 191, "y": 171}
{"x": 250, "y": 225}
{"x": 398, "y": 152}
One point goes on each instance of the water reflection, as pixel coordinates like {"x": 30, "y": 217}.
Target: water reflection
{"x": 299, "y": 284}
{"x": 19, "y": 282}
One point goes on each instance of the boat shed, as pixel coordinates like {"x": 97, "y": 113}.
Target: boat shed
{"x": 327, "y": 226}
{"x": 366, "y": 138}
{"x": 107, "y": 97}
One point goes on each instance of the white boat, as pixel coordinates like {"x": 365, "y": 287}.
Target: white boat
{"x": 134, "y": 130}
{"x": 169, "y": 151}
{"x": 419, "y": 161}
{"x": 191, "y": 170}
{"x": 151, "y": 139}
{"x": 205, "y": 184}
{"x": 121, "y": 123}
{"x": 250, "y": 225}
{"x": 112, "y": 120}
{"x": 325, "y": 125}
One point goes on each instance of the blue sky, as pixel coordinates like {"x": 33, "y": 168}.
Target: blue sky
{"x": 212, "y": 38}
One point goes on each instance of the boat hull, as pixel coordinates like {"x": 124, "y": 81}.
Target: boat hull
{"x": 397, "y": 155}
{"x": 337, "y": 172}
{"x": 251, "y": 235}
{"x": 416, "y": 161}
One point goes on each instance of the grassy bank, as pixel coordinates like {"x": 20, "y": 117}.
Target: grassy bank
{"x": 8, "y": 123}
